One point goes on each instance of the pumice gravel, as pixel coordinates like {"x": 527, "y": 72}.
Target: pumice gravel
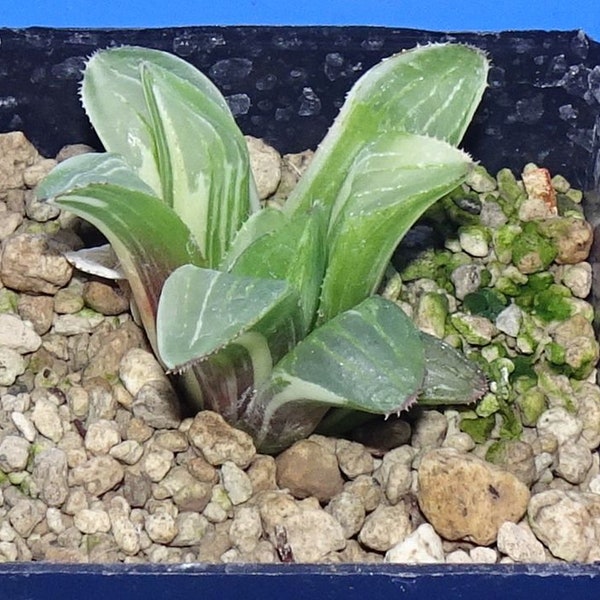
{"x": 100, "y": 463}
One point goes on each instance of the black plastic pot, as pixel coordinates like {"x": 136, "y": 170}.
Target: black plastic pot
{"x": 286, "y": 84}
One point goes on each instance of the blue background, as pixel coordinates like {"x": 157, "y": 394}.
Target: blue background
{"x": 444, "y": 15}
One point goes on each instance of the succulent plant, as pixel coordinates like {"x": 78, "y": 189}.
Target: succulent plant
{"x": 269, "y": 316}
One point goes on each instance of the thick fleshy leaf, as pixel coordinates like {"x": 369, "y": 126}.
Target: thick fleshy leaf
{"x": 260, "y": 223}
{"x": 175, "y": 130}
{"x": 205, "y": 157}
{"x": 202, "y": 311}
{"x": 147, "y": 236}
{"x": 450, "y": 377}
{"x": 393, "y": 180}
{"x": 430, "y": 90}
{"x": 91, "y": 168}
{"x": 295, "y": 251}
{"x": 369, "y": 358}
{"x": 114, "y": 100}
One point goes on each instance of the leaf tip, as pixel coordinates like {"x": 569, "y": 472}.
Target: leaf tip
{"x": 408, "y": 403}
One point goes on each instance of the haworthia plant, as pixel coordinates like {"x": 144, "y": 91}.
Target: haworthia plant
{"x": 269, "y": 316}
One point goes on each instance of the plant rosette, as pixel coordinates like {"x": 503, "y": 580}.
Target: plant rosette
{"x": 269, "y": 315}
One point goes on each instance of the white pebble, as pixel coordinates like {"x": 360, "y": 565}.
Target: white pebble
{"x": 157, "y": 463}
{"x": 246, "y": 528}
{"x": 594, "y": 485}
{"x": 509, "y": 320}
{"x": 8, "y": 551}
{"x": 578, "y": 278}
{"x": 18, "y": 334}
{"x": 11, "y": 366}
{"x": 55, "y": 520}
{"x": 24, "y": 425}
{"x": 519, "y": 543}
{"x": 574, "y": 461}
{"x": 458, "y": 557}
{"x": 47, "y": 420}
{"x": 101, "y": 436}
{"x": 124, "y": 531}
{"x": 423, "y": 546}
{"x": 76, "y": 324}
{"x": 160, "y": 527}
{"x": 14, "y": 453}
{"x": 137, "y": 367}
{"x": 7, "y": 533}
{"x": 483, "y": 555}
{"x": 459, "y": 441}
{"x": 92, "y": 521}
{"x": 474, "y": 243}
{"x": 128, "y": 452}
{"x": 236, "y": 483}
{"x": 559, "y": 422}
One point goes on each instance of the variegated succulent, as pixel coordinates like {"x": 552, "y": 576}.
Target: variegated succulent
{"x": 271, "y": 316}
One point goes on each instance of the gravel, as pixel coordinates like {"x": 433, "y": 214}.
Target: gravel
{"x": 98, "y": 463}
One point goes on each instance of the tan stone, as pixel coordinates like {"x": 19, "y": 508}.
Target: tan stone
{"x": 33, "y": 263}
{"x": 37, "y": 309}
{"x": 202, "y": 470}
{"x": 312, "y": 534}
{"x": 292, "y": 168}
{"x": 263, "y": 473}
{"x": 353, "y": 458}
{"x": 219, "y": 442}
{"x": 466, "y": 498}
{"x": 274, "y": 507}
{"x": 16, "y": 153}
{"x": 33, "y": 174}
{"x": 308, "y": 469}
{"x": 98, "y": 475}
{"x": 265, "y": 165}
{"x": 9, "y": 221}
{"x": 108, "y": 348}
{"x": 105, "y": 298}
{"x": 572, "y": 238}
{"x": 73, "y": 150}
{"x": 386, "y": 526}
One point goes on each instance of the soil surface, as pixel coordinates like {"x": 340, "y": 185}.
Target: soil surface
{"x": 98, "y": 462}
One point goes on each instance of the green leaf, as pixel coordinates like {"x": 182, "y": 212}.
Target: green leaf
{"x": 148, "y": 238}
{"x": 260, "y": 223}
{"x": 175, "y": 130}
{"x": 450, "y": 377}
{"x": 202, "y": 311}
{"x": 430, "y": 90}
{"x": 114, "y": 100}
{"x": 206, "y": 158}
{"x": 91, "y": 168}
{"x": 393, "y": 180}
{"x": 369, "y": 358}
{"x": 295, "y": 251}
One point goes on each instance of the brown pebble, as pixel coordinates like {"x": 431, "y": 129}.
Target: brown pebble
{"x": 105, "y": 298}
{"x": 466, "y": 498}
{"x": 308, "y": 469}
